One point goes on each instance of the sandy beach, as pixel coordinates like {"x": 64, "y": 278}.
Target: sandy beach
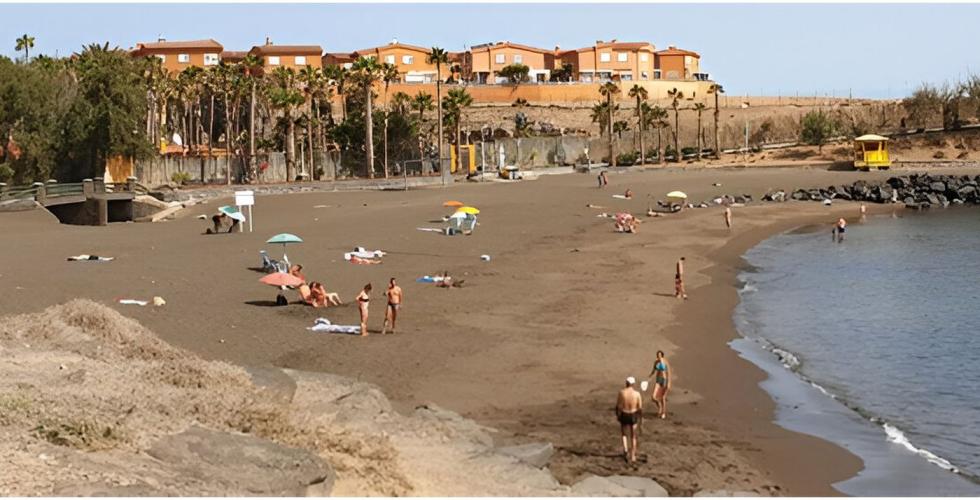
{"x": 537, "y": 341}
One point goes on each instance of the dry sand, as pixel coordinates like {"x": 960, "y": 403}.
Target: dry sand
{"x": 536, "y": 343}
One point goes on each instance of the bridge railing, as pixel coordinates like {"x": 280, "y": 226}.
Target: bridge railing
{"x": 40, "y": 191}
{"x": 17, "y": 192}
{"x": 55, "y": 190}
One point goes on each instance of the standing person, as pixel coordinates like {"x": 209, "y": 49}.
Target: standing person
{"x": 629, "y": 413}
{"x": 363, "y": 299}
{"x": 679, "y": 291}
{"x": 662, "y": 378}
{"x": 728, "y": 217}
{"x": 603, "y": 181}
{"x": 394, "y": 294}
{"x": 864, "y": 212}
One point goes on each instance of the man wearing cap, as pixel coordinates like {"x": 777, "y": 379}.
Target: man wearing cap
{"x": 629, "y": 407}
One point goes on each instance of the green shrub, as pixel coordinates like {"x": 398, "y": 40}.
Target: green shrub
{"x": 181, "y": 178}
{"x": 6, "y": 173}
{"x": 627, "y": 158}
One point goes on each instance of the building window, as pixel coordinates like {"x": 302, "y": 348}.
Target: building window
{"x": 348, "y": 65}
{"x": 626, "y": 77}
{"x": 183, "y": 58}
{"x": 500, "y": 58}
{"x": 518, "y": 59}
{"x": 605, "y": 57}
{"x": 162, "y": 57}
{"x": 390, "y": 59}
{"x": 300, "y": 60}
{"x": 622, "y": 56}
{"x": 644, "y": 75}
{"x": 656, "y": 74}
{"x": 644, "y": 56}
{"x": 210, "y": 59}
{"x": 687, "y": 60}
{"x": 408, "y": 59}
{"x": 273, "y": 60}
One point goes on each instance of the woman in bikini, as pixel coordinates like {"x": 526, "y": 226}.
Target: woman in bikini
{"x": 363, "y": 299}
{"x": 662, "y": 379}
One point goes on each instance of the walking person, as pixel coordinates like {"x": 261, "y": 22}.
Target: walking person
{"x": 662, "y": 377}
{"x": 603, "y": 181}
{"x": 394, "y": 294}
{"x": 679, "y": 291}
{"x": 629, "y": 413}
{"x": 728, "y": 217}
{"x": 363, "y": 299}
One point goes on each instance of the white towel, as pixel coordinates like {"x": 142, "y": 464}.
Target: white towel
{"x": 324, "y": 325}
{"x": 133, "y": 302}
{"x": 360, "y": 252}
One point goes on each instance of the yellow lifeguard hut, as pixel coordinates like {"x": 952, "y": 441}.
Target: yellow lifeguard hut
{"x": 871, "y": 151}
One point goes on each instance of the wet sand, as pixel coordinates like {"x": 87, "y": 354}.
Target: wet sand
{"x": 536, "y": 343}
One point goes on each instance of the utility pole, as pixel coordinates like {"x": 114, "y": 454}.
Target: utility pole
{"x": 745, "y": 150}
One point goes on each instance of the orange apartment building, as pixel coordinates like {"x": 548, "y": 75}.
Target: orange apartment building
{"x": 287, "y": 56}
{"x": 679, "y": 64}
{"x": 409, "y": 59}
{"x": 482, "y": 62}
{"x": 606, "y": 61}
{"x": 180, "y": 55}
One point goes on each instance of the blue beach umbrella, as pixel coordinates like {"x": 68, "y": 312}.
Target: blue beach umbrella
{"x": 284, "y": 239}
{"x": 233, "y": 212}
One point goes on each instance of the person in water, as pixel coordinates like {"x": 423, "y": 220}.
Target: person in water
{"x": 839, "y": 229}
{"x": 629, "y": 408}
{"x": 662, "y": 377}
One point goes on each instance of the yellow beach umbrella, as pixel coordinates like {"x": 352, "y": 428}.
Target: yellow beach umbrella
{"x": 677, "y": 194}
{"x": 453, "y": 203}
{"x": 469, "y": 210}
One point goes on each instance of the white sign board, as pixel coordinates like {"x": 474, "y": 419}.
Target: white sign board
{"x": 244, "y": 198}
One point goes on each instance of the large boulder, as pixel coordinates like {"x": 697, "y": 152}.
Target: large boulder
{"x": 536, "y": 454}
{"x": 647, "y": 487}
{"x": 245, "y": 465}
{"x": 937, "y": 186}
{"x": 596, "y": 486}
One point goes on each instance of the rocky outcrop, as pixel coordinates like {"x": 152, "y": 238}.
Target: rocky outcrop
{"x": 535, "y": 454}
{"x": 915, "y": 191}
{"x": 617, "y": 486}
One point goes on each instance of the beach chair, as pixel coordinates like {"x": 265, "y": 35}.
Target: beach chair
{"x": 271, "y": 265}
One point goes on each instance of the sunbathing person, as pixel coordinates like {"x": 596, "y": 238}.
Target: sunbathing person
{"x": 218, "y": 220}
{"x": 321, "y": 295}
{"x": 447, "y": 281}
{"x": 628, "y": 194}
{"x": 357, "y": 260}
{"x": 297, "y": 271}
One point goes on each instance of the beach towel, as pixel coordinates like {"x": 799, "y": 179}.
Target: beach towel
{"x": 84, "y": 257}
{"x": 324, "y": 325}
{"x": 429, "y": 229}
{"x": 132, "y": 302}
{"x": 430, "y": 279}
{"x": 620, "y": 197}
{"x": 364, "y": 254}
{"x": 357, "y": 260}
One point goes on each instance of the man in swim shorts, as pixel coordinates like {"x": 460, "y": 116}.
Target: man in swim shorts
{"x": 629, "y": 408}
{"x": 394, "y": 294}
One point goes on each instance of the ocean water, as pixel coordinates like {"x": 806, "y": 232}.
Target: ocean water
{"x": 874, "y": 343}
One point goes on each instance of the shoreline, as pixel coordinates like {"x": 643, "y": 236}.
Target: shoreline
{"x": 892, "y": 465}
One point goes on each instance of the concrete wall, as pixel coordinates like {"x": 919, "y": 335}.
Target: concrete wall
{"x": 160, "y": 170}
{"x": 578, "y": 93}
{"x": 533, "y": 152}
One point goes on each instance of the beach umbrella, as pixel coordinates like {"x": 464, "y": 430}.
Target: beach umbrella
{"x": 233, "y": 212}
{"x": 284, "y": 239}
{"x": 677, "y": 194}
{"x": 281, "y": 280}
{"x": 469, "y": 210}
{"x": 453, "y": 204}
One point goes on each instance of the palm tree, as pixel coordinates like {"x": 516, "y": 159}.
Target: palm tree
{"x": 368, "y": 71}
{"x": 609, "y": 91}
{"x": 640, "y": 94}
{"x": 285, "y": 95}
{"x": 422, "y": 102}
{"x": 25, "y": 43}
{"x": 312, "y": 80}
{"x": 621, "y": 126}
{"x": 401, "y": 103}
{"x": 338, "y": 78}
{"x": 676, "y": 96}
{"x": 658, "y": 119}
{"x": 453, "y": 104}
{"x": 439, "y": 56}
{"x": 252, "y": 65}
{"x": 699, "y": 107}
{"x": 716, "y": 89}
{"x": 389, "y": 73}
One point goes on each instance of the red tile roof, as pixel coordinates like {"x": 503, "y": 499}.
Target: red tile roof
{"x": 233, "y": 55}
{"x": 286, "y": 50}
{"x": 487, "y": 47}
{"x": 674, "y": 51}
{"x": 392, "y": 45}
{"x": 184, "y": 44}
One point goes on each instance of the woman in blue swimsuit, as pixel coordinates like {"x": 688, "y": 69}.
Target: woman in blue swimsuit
{"x": 662, "y": 378}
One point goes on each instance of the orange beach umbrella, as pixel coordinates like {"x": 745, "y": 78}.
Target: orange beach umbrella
{"x": 453, "y": 203}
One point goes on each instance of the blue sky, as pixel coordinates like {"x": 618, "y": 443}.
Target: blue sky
{"x": 871, "y": 50}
